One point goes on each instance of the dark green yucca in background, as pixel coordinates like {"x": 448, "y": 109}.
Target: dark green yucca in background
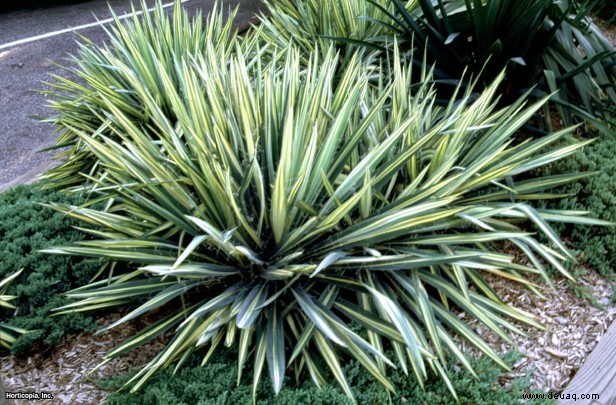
{"x": 300, "y": 208}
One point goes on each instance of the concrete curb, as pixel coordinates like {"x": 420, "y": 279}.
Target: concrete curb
{"x": 29, "y": 177}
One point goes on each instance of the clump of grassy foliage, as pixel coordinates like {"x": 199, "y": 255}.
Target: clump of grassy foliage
{"x": 215, "y": 384}
{"x": 314, "y": 25}
{"x": 25, "y": 227}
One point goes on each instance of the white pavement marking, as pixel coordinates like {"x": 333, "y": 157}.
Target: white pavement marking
{"x": 80, "y": 27}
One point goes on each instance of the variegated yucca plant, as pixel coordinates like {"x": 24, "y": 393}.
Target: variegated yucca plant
{"x": 8, "y": 333}
{"x": 138, "y": 48}
{"x": 307, "y": 213}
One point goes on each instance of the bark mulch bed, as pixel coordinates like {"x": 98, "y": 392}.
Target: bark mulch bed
{"x": 573, "y": 327}
{"x": 65, "y": 369}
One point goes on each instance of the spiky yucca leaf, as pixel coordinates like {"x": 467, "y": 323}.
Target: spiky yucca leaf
{"x": 279, "y": 204}
{"x": 8, "y": 333}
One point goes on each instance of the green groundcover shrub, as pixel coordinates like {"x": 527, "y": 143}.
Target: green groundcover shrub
{"x": 216, "y": 384}
{"x": 596, "y": 194}
{"x": 25, "y": 227}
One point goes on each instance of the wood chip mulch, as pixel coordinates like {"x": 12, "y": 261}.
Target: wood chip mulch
{"x": 64, "y": 370}
{"x": 573, "y": 327}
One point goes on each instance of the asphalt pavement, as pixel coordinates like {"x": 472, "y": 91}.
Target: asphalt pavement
{"x": 33, "y": 40}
